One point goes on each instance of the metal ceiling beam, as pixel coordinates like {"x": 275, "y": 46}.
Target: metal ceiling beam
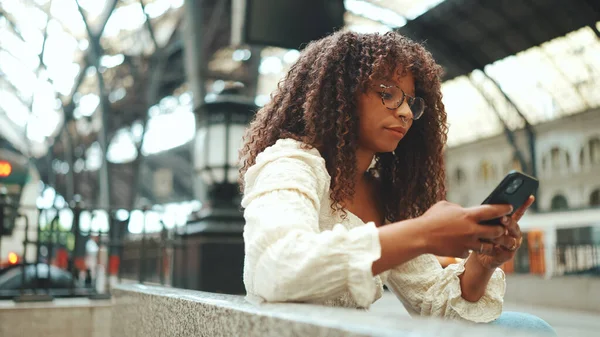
{"x": 596, "y": 31}
{"x": 525, "y": 32}
{"x": 444, "y": 14}
{"x": 594, "y": 6}
{"x": 95, "y": 54}
{"x": 18, "y": 34}
{"x": 86, "y": 57}
{"x": 149, "y": 26}
{"x": 45, "y": 39}
{"x": 12, "y": 87}
{"x": 510, "y": 135}
{"x": 211, "y": 28}
{"x": 464, "y": 57}
{"x": 552, "y": 23}
{"x": 532, "y": 167}
{"x": 500, "y": 43}
{"x": 109, "y": 8}
{"x": 12, "y": 25}
{"x": 158, "y": 64}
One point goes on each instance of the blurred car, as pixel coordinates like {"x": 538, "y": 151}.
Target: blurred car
{"x": 58, "y": 282}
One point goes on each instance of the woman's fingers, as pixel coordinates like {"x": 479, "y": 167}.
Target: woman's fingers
{"x": 484, "y": 248}
{"x": 489, "y": 232}
{"x": 513, "y": 226}
{"x": 521, "y": 211}
{"x": 513, "y": 229}
{"x": 488, "y": 212}
{"x": 508, "y": 242}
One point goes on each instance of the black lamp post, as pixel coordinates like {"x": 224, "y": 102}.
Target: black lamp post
{"x": 212, "y": 259}
{"x": 221, "y": 125}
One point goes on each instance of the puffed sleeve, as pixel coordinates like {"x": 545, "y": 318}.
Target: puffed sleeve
{"x": 427, "y": 289}
{"x": 287, "y": 257}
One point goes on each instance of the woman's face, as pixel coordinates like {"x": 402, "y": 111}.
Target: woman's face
{"x": 381, "y": 129}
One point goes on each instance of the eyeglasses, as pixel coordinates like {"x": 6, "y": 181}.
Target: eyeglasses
{"x": 393, "y": 97}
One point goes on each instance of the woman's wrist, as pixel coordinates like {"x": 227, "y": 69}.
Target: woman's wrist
{"x": 419, "y": 235}
{"x": 481, "y": 265}
{"x": 474, "y": 280}
{"x": 400, "y": 242}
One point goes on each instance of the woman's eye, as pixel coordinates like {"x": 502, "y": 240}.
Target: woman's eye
{"x": 386, "y": 95}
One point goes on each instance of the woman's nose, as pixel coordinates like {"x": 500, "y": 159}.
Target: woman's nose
{"x": 404, "y": 113}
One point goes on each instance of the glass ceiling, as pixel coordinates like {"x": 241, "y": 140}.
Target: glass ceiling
{"x": 43, "y": 44}
{"x": 553, "y": 80}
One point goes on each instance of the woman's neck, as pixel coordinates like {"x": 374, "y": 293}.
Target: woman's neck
{"x": 364, "y": 158}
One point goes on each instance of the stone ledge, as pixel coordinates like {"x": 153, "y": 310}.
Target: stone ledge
{"x": 564, "y": 292}
{"x": 72, "y": 317}
{"x": 80, "y": 302}
{"x": 149, "y": 311}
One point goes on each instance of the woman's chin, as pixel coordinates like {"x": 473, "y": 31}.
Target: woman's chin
{"x": 388, "y": 147}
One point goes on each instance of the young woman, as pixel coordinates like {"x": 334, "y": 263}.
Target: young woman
{"x": 343, "y": 180}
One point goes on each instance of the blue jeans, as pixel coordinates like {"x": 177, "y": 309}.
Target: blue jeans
{"x": 523, "y": 321}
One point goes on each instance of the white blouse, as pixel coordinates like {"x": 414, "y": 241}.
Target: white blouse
{"x": 299, "y": 250}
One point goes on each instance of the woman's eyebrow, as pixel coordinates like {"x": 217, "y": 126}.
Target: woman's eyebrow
{"x": 387, "y": 81}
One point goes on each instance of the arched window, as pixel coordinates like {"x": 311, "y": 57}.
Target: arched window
{"x": 559, "y": 202}
{"x": 459, "y": 176}
{"x": 594, "y": 148}
{"x": 486, "y": 171}
{"x": 595, "y": 198}
{"x": 545, "y": 163}
{"x": 559, "y": 159}
{"x": 555, "y": 158}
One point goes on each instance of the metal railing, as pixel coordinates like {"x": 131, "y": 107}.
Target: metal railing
{"x": 577, "y": 259}
{"x": 57, "y": 259}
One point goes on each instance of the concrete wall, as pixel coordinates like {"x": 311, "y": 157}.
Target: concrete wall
{"x": 59, "y": 318}
{"x": 578, "y": 293}
{"x": 157, "y": 311}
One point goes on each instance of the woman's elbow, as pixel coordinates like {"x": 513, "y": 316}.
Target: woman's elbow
{"x": 271, "y": 284}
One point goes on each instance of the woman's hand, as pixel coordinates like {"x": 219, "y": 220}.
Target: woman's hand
{"x": 452, "y": 230}
{"x": 504, "y": 247}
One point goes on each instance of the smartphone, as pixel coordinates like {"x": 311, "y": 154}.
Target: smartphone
{"x": 514, "y": 189}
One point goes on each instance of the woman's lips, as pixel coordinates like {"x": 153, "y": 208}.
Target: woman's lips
{"x": 396, "y": 132}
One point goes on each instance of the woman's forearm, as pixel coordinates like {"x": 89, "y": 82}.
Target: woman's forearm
{"x": 474, "y": 281}
{"x": 395, "y": 251}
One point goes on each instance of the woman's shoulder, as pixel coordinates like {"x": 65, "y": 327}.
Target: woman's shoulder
{"x": 290, "y": 148}
{"x": 289, "y": 155}
{"x": 287, "y": 165}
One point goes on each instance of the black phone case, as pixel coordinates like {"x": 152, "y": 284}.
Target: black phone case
{"x": 516, "y": 199}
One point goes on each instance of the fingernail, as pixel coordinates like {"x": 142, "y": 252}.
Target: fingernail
{"x": 506, "y": 232}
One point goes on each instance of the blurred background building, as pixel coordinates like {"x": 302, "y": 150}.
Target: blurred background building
{"x": 120, "y": 122}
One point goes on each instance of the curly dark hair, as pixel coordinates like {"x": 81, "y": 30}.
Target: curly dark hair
{"x": 316, "y": 103}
